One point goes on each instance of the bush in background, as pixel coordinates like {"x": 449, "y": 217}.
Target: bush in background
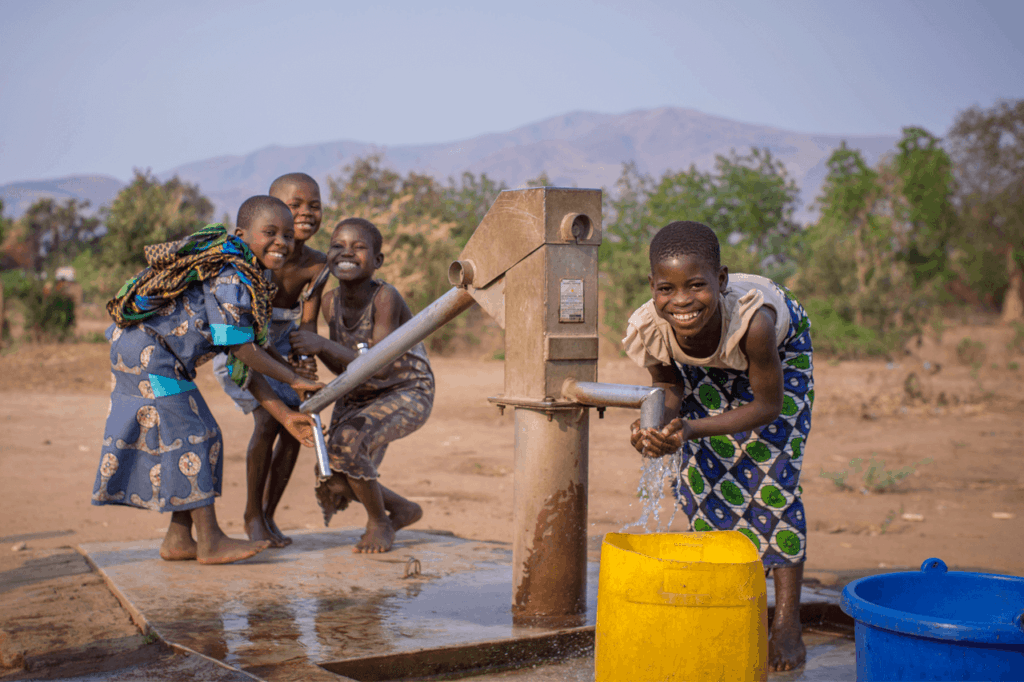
{"x": 49, "y": 315}
{"x": 834, "y": 333}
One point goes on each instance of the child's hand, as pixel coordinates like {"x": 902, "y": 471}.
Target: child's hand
{"x": 306, "y": 343}
{"x": 640, "y": 439}
{"x": 301, "y": 427}
{"x": 636, "y": 437}
{"x": 655, "y": 443}
{"x": 302, "y": 384}
{"x": 304, "y": 366}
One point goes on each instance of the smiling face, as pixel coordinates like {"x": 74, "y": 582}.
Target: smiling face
{"x": 303, "y": 199}
{"x": 686, "y": 293}
{"x": 351, "y": 255}
{"x": 270, "y": 236}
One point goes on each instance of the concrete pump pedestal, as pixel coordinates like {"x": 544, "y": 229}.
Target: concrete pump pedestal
{"x": 316, "y": 611}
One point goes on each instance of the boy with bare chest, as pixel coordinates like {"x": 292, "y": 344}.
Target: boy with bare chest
{"x": 272, "y": 451}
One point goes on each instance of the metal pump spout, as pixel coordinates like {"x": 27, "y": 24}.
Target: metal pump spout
{"x": 651, "y": 401}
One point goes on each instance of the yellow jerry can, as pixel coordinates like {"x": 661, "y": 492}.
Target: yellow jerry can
{"x": 681, "y": 606}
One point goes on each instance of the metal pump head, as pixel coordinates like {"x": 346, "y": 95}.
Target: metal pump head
{"x": 532, "y": 265}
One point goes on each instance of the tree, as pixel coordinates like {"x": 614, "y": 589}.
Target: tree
{"x": 418, "y": 246}
{"x": 880, "y": 247}
{"x": 627, "y": 232}
{"x": 5, "y": 224}
{"x": 366, "y": 184}
{"x": 748, "y": 200}
{"x": 988, "y": 148}
{"x": 844, "y": 231}
{"x": 541, "y": 180}
{"x": 57, "y": 232}
{"x": 149, "y": 212}
{"x": 466, "y": 204}
{"x": 926, "y": 186}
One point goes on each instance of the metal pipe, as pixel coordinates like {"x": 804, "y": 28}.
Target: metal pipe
{"x": 549, "y": 543}
{"x": 650, "y": 400}
{"x": 323, "y": 462}
{"x": 430, "y": 319}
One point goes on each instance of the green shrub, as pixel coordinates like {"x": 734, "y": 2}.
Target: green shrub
{"x": 49, "y": 316}
{"x": 99, "y": 282}
{"x": 835, "y": 334}
{"x": 873, "y": 474}
{"x": 93, "y": 337}
{"x": 970, "y": 353}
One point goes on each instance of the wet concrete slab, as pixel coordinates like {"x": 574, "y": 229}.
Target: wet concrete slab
{"x": 283, "y": 613}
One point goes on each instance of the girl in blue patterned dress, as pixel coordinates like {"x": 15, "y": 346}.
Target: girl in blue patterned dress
{"x": 733, "y": 353}
{"x": 162, "y": 448}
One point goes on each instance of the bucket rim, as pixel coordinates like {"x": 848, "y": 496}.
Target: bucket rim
{"x": 904, "y": 622}
{"x": 609, "y": 544}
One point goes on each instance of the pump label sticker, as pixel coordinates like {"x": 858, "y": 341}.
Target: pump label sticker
{"x": 570, "y": 302}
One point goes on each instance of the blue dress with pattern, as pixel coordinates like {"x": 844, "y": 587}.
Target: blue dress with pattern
{"x": 162, "y": 448}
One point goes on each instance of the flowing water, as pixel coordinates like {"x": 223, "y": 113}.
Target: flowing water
{"x": 655, "y": 474}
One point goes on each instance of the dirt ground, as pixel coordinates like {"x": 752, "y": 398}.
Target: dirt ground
{"x": 955, "y": 419}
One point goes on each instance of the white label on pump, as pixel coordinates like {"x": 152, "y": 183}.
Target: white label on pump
{"x": 570, "y": 302}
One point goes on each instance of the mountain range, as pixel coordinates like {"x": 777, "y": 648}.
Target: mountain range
{"x": 582, "y": 149}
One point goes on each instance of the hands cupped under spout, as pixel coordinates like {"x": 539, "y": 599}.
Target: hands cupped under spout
{"x": 660, "y": 442}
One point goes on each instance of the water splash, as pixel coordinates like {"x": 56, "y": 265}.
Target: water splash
{"x": 650, "y": 490}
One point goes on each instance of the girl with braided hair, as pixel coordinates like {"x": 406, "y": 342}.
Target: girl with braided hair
{"x": 162, "y": 448}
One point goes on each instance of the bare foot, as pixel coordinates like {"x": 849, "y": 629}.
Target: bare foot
{"x": 176, "y": 548}
{"x": 378, "y": 538}
{"x": 225, "y": 550}
{"x": 178, "y": 544}
{"x": 404, "y": 513}
{"x": 786, "y": 649}
{"x": 258, "y": 531}
{"x": 280, "y": 537}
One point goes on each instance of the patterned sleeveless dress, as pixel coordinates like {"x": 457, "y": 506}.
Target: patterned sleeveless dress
{"x": 390, "y": 405}
{"x": 747, "y": 481}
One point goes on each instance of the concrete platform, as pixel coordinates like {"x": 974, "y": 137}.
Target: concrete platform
{"x": 285, "y": 613}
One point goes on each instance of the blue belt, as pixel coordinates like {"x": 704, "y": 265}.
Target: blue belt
{"x": 165, "y": 386}
{"x": 230, "y": 335}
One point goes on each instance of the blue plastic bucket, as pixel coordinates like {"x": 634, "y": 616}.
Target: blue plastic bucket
{"x": 937, "y": 625}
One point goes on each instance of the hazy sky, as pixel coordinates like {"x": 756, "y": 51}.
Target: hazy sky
{"x": 102, "y": 86}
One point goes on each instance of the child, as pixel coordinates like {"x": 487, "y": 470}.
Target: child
{"x": 268, "y": 466}
{"x": 162, "y": 448}
{"x": 392, "y": 404}
{"x": 733, "y": 353}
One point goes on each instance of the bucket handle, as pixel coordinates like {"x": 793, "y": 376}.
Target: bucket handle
{"x": 934, "y": 565}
